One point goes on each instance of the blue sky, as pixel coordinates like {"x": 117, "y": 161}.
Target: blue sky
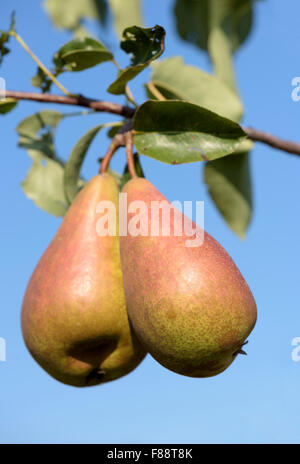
{"x": 257, "y": 399}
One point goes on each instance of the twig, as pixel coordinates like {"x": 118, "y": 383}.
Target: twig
{"x": 130, "y": 96}
{"x": 39, "y": 63}
{"x": 273, "y": 141}
{"x": 129, "y": 154}
{"x": 79, "y": 100}
{"x": 128, "y": 112}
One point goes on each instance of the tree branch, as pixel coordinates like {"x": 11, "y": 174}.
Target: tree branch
{"x": 273, "y": 141}
{"x": 128, "y": 112}
{"x": 76, "y": 100}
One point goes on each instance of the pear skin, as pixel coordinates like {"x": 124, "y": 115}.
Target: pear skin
{"x": 190, "y": 306}
{"x": 74, "y": 318}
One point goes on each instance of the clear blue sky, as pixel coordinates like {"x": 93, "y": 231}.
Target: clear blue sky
{"x": 257, "y": 399}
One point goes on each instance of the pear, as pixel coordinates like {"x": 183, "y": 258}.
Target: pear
{"x": 74, "y": 317}
{"x": 189, "y": 305}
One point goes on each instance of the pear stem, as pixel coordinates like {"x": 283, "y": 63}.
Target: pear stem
{"x": 129, "y": 154}
{"x": 118, "y": 141}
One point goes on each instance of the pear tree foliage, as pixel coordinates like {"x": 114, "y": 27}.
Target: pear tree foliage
{"x": 188, "y": 115}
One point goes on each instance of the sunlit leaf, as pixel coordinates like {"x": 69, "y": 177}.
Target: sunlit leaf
{"x": 179, "y": 132}
{"x": 44, "y": 180}
{"x": 126, "y": 13}
{"x": 176, "y": 80}
{"x": 44, "y": 184}
{"x": 69, "y": 14}
{"x": 80, "y": 54}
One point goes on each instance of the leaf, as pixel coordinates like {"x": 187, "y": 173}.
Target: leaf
{"x": 126, "y": 13}
{"x": 80, "y": 54}
{"x": 76, "y": 55}
{"x": 115, "y": 129}
{"x": 229, "y": 184}
{"x": 68, "y": 14}
{"x": 221, "y": 56}
{"x": 145, "y": 45}
{"x": 5, "y": 37}
{"x": 176, "y": 80}
{"x": 196, "y": 20}
{"x": 44, "y": 181}
{"x": 7, "y": 105}
{"x": 177, "y": 132}
{"x": 44, "y": 184}
{"x": 4, "y": 50}
{"x": 32, "y": 124}
{"x": 74, "y": 163}
{"x": 138, "y": 167}
{"x": 41, "y": 80}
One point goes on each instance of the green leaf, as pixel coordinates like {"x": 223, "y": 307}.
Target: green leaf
{"x": 80, "y": 54}
{"x": 145, "y": 45}
{"x": 76, "y": 55}
{"x": 245, "y": 146}
{"x": 179, "y": 132}
{"x": 7, "y": 105}
{"x": 221, "y": 57}
{"x": 5, "y": 37}
{"x": 196, "y": 20}
{"x": 126, "y": 13}
{"x": 44, "y": 181}
{"x": 44, "y": 184}
{"x": 4, "y": 50}
{"x": 138, "y": 167}
{"x": 31, "y": 125}
{"x": 74, "y": 163}
{"x": 176, "y": 80}
{"x": 68, "y": 14}
{"x": 229, "y": 184}
{"x": 218, "y": 27}
{"x": 115, "y": 129}
{"x": 41, "y": 80}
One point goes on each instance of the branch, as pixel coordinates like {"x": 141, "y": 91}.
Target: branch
{"x": 273, "y": 141}
{"x": 128, "y": 112}
{"x": 76, "y": 100}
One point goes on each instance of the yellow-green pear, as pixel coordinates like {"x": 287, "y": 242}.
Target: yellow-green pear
{"x": 188, "y": 302}
{"x": 74, "y": 317}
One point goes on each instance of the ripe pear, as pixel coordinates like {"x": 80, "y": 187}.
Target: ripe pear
{"x": 189, "y": 305}
{"x": 74, "y": 317}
